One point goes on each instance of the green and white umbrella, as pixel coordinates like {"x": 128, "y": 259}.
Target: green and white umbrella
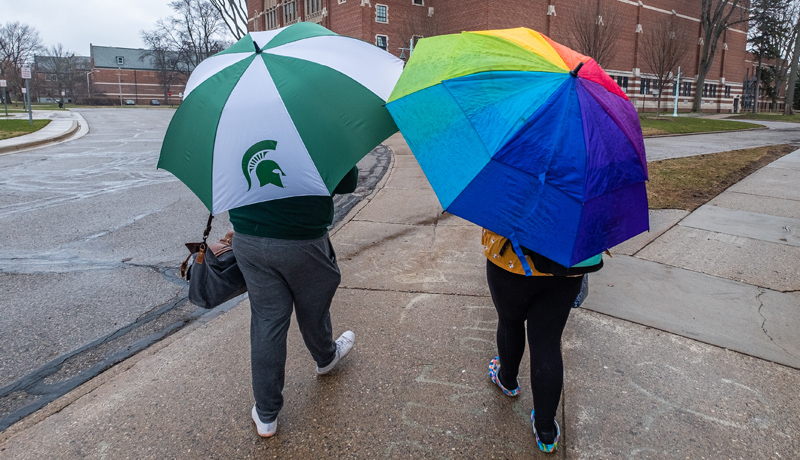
{"x": 281, "y": 113}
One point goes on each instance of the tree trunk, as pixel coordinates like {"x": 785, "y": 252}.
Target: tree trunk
{"x": 658, "y": 102}
{"x": 788, "y": 107}
{"x": 698, "y": 93}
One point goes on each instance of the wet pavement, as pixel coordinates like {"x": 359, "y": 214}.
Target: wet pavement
{"x": 95, "y": 237}
{"x": 662, "y": 362}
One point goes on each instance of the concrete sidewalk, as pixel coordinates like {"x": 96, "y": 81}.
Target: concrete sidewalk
{"x": 686, "y": 348}
{"x": 64, "y": 125}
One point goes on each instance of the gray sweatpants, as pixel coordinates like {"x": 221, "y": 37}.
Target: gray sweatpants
{"x": 279, "y": 274}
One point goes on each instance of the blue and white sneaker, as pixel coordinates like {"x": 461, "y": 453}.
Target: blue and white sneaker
{"x": 546, "y": 448}
{"x": 494, "y": 371}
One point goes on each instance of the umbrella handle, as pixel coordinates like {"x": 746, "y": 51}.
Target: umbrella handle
{"x": 201, "y": 254}
{"x": 574, "y": 72}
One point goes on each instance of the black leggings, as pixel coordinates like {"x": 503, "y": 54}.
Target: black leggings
{"x": 545, "y": 302}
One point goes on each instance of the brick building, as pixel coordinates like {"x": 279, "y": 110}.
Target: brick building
{"x": 131, "y": 74}
{"x": 395, "y": 24}
{"x": 57, "y": 77}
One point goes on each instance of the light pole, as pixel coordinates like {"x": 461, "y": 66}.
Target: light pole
{"x": 89, "y": 85}
{"x": 410, "y": 49}
{"x": 677, "y": 89}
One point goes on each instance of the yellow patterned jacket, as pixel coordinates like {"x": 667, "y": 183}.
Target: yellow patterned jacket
{"x": 501, "y": 254}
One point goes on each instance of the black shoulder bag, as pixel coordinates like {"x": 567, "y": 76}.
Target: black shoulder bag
{"x": 214, "y": 277}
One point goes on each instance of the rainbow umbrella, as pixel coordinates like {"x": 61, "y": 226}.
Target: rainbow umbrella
{"x": 527, "y": 138}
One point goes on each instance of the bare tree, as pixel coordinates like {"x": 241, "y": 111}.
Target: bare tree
{"x": 788, "y": 108}
{"x": 233, "y": 14}
{"x": 715, "y": 17}
{"x": 767, "y": 38}
{"x": 780, "y": 34}
{"x": 595, "y": 30}
{"x": 197, "y": 30}
{"x": 663, "y": 49}
{"x": 165, "y": 57}
{"x": 18, "y": 44}
{"x": 60, "y": 69}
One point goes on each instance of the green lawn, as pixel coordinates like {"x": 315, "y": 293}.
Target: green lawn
{"x": 652, "y": 126}
{"x": 768, "y": 117}
{"x": 690, "y": 182}
{"x": 14, "y": 128}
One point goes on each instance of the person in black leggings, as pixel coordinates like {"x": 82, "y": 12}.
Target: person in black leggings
{"x": 544, "y": 302}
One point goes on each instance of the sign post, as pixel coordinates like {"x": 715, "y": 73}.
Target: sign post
{"x": 26, "y": 74}
{"x": 3, "y": 84}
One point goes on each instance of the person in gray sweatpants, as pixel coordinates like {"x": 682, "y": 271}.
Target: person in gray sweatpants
{"x": 285, "y": 254}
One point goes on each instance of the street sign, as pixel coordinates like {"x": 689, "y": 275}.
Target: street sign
{"x": 3, "y": 84}
{"x": 63, "y": 93}
{"x": 26, "y": 72}
{"x": 24, "y": 90}
{"x": 169, "y": 93}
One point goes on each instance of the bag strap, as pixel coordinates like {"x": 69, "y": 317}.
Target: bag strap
{"x": 200, "y": 248}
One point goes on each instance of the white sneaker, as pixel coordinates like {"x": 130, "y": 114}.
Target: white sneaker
{"x": 265, "y": 430}
{"x": 343, "y": 346}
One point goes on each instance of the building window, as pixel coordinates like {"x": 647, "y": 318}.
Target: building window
{"x": 381, "y": 13}
{"x": 290, "y": 12}
{"x": 713, "y": 90}
{"x": 727, "y": 91}
{"x": 120, "y": 60}
{"x": 313, "y": 7}
{"x": 623, "y": 83}
{"x": 271, "y": 18}
{"x": 418, "y": 2}
{"x": 382, "y": 42}
{"x": 644, "y": 88}
{"x": 685, "y": 89}
{"x": 705, "y": 90}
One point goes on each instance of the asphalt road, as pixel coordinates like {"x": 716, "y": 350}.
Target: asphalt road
{"x": 661, "y": 148}
{"x": 94, "y": 235}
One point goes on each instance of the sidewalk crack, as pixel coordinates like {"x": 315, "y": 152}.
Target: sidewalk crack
{"x": 762, "y": 291}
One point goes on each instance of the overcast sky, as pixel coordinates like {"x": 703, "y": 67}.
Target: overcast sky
{"x": 76, "y": 23}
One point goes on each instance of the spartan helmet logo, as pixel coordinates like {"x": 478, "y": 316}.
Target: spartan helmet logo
{"x": 267, "y": 171}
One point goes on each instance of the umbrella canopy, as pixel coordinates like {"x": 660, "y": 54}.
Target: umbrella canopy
{"x": 281, "y": 113}
{"x": 527, "y": 138}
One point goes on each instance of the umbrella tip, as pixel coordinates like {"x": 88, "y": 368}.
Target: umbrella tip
{"x": 574, "y": 72}
{"x": 258, "y": 49}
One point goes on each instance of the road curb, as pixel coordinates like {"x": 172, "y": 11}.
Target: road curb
{"x": 707, "y": 132}
{"x": 367, "y": 199}
{"x": 50, "y": 140}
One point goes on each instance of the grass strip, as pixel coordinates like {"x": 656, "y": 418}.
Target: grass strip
{"x": 768, "y": 117}
{"x": 688, "y": 183}
{"x": 14, "y": 128}
{"x": 652, "y": 126}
